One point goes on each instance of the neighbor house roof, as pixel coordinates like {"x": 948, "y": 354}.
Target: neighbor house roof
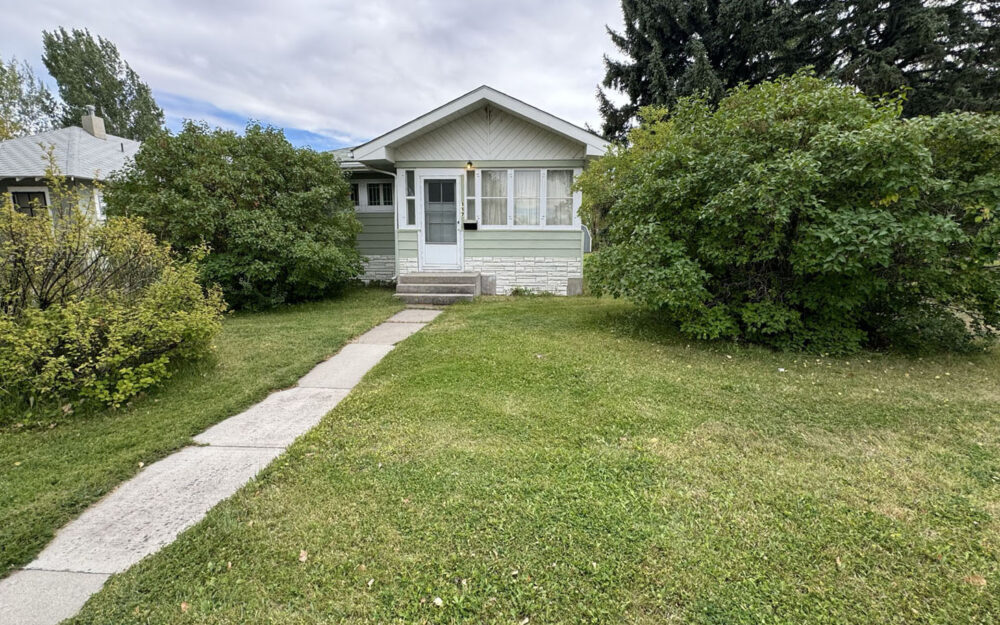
{"x": 78, "y": 154}
{"x": 380, "y": 148}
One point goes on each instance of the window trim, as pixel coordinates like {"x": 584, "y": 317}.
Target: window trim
{"x": 17, "y": 189}
{"x": 363, "y": 206}
{"x": 543, "y": 199}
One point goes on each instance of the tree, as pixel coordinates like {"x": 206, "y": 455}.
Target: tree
{"x": 802, "y": 214}
{"x": 90, "y": 71}
{"x": 679, "y": 47}
{"x": 278, "y": 220}
{"x": 27, "y": 106}
{"x": 946, "y": 53}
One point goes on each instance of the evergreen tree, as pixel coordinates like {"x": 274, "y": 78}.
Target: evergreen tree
{"x": 90, "y": 71}
{"x": 946, "y": 53}
{"x": 678, "y": 47}
{"x": 27, "y": 106}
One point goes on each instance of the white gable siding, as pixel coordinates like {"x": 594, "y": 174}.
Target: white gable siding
{"x": 489, "y": 134}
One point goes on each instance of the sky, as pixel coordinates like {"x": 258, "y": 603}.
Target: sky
{"x": 337, "y": 73}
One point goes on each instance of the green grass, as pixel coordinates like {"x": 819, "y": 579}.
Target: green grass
{"x": 566, "y": 460}
{"x": 48, "y": 476}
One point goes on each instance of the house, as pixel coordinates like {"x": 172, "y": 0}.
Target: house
{"x": 473, "y": 197}
{"x": 84, "y": 155}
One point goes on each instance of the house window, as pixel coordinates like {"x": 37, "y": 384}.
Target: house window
{"x": 29, "y": 202}
{"x": 411, "y": 199}
{"x": 527, "y": 197}
{"x": 470, "y": 196}
{"x": 355, "y": 197}
{"x": 494, "y": 198}
{"x": 559, "y": 197}
{"x": 380, "y": 194}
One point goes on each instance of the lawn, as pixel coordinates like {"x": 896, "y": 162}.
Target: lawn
{"x": 48, "y": 476}
{"x": 552, "y": 460}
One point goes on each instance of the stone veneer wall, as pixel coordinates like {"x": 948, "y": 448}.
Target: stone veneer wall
{"x": 379, "y": 267}
{"x": 407, "y": 265}
{"x": 537, "y": 273}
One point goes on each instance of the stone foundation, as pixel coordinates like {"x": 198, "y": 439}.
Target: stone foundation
{"x": 539, "y": 274}
{"x": 408, "y": 265}
{"x": 381, "y": 268}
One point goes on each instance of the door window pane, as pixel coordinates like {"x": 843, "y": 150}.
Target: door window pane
{"x": 494, "y": 200}
{"x": 440, "y": 216}
{"x": 527, "y": 198}
{"x": 559, "y": 197}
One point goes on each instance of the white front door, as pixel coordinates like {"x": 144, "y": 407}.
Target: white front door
{"x": 441, "y": 222}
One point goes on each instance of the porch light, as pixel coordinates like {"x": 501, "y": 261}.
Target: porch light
{"x": 468, "y": 165}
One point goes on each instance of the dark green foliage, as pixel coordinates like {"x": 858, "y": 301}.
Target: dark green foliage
{"x": 89, "y": 72}
{"x": 947, "y": 54}
{"x": 800, "y": 214}
{"x": 278, "y": 220}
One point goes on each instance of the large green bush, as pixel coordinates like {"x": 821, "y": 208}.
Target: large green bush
{"x": 278, "y": 220}
{"x": 92, "y": 312}
{"x": 802, "y": 214}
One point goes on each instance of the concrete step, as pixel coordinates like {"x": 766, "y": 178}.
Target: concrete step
{"x": 434, "y": 299}
{"x": 434, "y": 277}
{"x": 436, "y": 288}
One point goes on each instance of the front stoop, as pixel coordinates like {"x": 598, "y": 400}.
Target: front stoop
{"x": 437, "y": 288}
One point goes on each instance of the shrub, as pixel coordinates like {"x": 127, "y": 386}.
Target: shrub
{"x": 278, "y": 220}
{"x": 801, "y": 214}
{"x": 91, "y": 312}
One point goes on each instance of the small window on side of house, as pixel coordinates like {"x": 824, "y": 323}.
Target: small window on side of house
{"x": 355, "y": 196}
{"x": 29, "y": 202}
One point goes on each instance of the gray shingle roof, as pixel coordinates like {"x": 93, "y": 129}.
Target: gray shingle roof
{"x": 78, "y": 154}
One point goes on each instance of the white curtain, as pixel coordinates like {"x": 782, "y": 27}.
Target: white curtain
{"x": 527, "y": 198}
{"x": 559, "y": 197}
{"x": 494, "y": 198}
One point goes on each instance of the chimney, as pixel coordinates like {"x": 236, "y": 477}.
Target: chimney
{"x": 93, "y": 124}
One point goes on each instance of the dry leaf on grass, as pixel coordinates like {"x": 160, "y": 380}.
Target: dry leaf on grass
{"x": 976, "y": 580}
{"x": 303, "y": 555}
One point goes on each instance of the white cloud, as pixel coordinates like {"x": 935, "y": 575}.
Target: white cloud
{"x": 345, "y": 70}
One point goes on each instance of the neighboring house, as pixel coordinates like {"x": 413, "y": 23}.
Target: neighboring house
{"x": 82, "y": 155}
{"x": 481, "y": 185}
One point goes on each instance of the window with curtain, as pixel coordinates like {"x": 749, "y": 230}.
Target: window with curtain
{"x": 527, "y": 197}
{"x": 494, "y": 197}
{"x": 559, "y": 197}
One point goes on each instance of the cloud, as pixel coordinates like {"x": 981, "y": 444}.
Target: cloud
{"x": 338, "y": 73}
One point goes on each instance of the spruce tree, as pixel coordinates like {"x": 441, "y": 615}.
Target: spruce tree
{"x": 944, "y": 53}
{"x": 90, "y": 71}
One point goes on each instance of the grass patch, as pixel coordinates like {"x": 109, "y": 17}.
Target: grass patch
{"x": 567, "y": 460}
{"x": 48, "y": 476}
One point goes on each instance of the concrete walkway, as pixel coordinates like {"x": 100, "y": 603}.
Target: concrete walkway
{"x": 148, "y": 512}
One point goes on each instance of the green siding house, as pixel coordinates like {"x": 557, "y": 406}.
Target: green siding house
{"x": 479, "y": 187}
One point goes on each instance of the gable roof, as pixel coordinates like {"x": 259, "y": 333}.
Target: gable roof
{"x": 78, "y": 154}
{"x": 380, "y": 148}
